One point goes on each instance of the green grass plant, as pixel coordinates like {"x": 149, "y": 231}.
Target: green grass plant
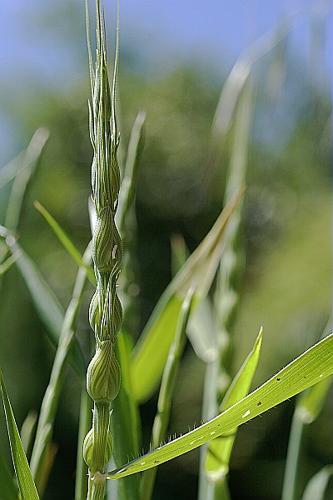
{"x": 197, "y": 310}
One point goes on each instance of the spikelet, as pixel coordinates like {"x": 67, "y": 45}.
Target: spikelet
{"x": 105, "y": 312}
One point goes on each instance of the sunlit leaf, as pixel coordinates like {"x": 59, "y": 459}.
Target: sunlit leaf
{"x": 308, "y": 369}
{"x": 24, "y": 478}
{"x": 219, "y": 450}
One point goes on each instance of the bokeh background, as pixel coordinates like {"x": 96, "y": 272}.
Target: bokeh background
{"x": 175, "y": 57}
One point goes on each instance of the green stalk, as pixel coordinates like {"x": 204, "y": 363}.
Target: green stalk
{"x": 293, "y": 456}
{"x": 170, "y": 372}
{"x": 105, "y": 315}
{"x": 84, "y": 426}
{"x": 308, "y": 407}
{"x": 52, "y": 394}
{"x": 226, "y": 293}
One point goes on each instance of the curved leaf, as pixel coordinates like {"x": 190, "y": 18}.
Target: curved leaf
{"x": 24, "y": 478}
{"x": 317, "y": 485}
{"x": 65, "y": 241}
{"x": 309, "y": 368}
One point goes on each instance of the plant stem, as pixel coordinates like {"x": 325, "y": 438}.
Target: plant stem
{"x": 84, "y": 426}
{"x": 293, "y": 456}
{"x": 51, "y": 397}
{"x": 162, "y": 417}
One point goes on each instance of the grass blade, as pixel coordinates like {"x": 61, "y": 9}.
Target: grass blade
{"x": 23, "y": 175}
{"x": 169, "y": 377}
{"x": 46, "y": 303}
{"x": 7, "y": 264}
{"x": 226, "y": 296}
{"x": 311, "y": 367}
{"x": 317, "y": 485}
{"x": 179, "y": 253}
{"x": 52, "y": 394}
{"x": 311, "y": 403}
{"x": 198, "y": 272}
{"x": 24, "y": 478}
{"x": 65, "y": 241}
{"x": 238, "y": 78}
{"x": 128, "y": 184}
{"x": 27, "y": 431}
{"x": 8, "y": 171}
{"x": 219, "y": 450}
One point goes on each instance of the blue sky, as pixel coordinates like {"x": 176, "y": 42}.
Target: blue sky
{"x": 34, "y": 48}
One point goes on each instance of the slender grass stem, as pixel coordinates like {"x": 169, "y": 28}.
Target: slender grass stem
{"x": 52, "y": 394}
{"x": 226, "y": 294}
{"x": 290, "y": 480}
{"x": 84, "y": 426}
{"x": 162, "y": 417}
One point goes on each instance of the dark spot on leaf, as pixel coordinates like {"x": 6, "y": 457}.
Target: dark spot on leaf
{"x": 278, "y": 379}
{"x": 259, "y": 403}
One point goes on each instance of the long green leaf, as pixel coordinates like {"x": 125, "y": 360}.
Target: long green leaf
{"x": 7, "y": 264}
{"x": 226, "y": 295}
{"x": 198, "y": 272}
{"x": 238, "y": 78}
{"x": 219, "y": 450}
{"x": 24, "y": 478}
{"x": 8, "y": 171}
{"x": 308, "y": 369}
{"x": 47, "y": 305}
{"x": 317, "y": 485}
{"x": 23, "y": 175}
{"x": 128, "y": 184}
{"x": 54, "y": 388}
{"x": 65, "y": 240}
